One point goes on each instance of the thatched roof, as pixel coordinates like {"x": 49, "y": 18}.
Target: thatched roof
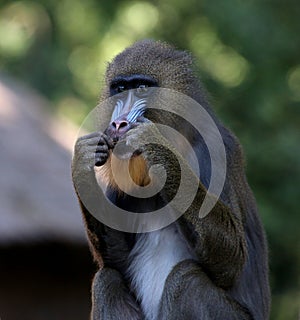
{"x": 37, "y": 200}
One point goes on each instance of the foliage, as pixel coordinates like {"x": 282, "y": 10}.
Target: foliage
{"x": 248, "y": 54}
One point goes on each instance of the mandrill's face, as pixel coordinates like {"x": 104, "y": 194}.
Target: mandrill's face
{"x": 129, "y": 110}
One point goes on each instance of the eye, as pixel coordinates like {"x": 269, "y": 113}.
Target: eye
{"x": 142, "y": 87}
{"x": 120, "y": 88}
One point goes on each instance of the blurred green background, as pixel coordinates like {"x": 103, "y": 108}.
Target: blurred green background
{"x": 248, "y": 54}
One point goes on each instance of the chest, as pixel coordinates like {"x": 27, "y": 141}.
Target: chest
{"x": 151, "y": 260}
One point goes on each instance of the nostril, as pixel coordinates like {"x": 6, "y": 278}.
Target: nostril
{"x": 123, "y": 124}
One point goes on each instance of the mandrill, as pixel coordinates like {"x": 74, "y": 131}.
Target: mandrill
{"x": 213, "y": 266}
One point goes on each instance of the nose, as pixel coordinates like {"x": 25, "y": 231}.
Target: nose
{"x": 120, "y": 125}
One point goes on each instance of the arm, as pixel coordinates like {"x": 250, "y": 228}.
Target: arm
{"x": 217, "y": 239}
{"x": 110, "y": 294}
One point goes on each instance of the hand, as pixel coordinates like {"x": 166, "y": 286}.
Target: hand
{"x": 90, "y": 150}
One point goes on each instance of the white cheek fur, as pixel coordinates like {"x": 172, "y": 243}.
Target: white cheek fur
{"x": 152, "y": 259}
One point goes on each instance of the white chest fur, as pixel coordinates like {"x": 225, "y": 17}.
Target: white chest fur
{"x": 153, "y": 257}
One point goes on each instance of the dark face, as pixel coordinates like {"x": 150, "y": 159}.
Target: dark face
{"x": 130, "y": 108}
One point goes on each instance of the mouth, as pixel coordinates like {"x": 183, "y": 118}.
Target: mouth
{"x": 122, "y": 151}
{"x": 115, "y": 141}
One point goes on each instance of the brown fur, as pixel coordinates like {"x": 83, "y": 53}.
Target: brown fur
{"x": 171, "y": 68}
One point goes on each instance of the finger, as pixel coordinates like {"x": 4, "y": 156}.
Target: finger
{"x": 109, "y": 141}
{"x": 100, "y": 160}
{"x": 102, "y": 148}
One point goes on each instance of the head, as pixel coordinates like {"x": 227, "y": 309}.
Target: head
{"x": 146, "y": 64}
